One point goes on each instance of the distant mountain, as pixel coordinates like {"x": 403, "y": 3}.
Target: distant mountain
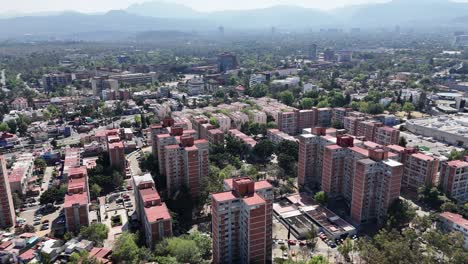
{"x": 408, "y": 12}
{"x": 72, "y": 23}
{"x": 165, "y": 17}
{"x": 163, "y": 9}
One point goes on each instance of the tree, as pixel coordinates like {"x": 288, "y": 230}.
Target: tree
{"x": 321, "y": 197}
{"x": 82, "y": 258}
{"x": 117, "y": 178}
{"x": 287, "y": 163}
{"x": 402, "y": 142}
{"x": 12, "y": 125}
{"x": 40, "y": 164}
{"x": 318, "y": 260}
{"x": 400, "y": 214}
{"x": 4, "y": 127}
{"x": 191, "y": 248}
{"x": 95, "y": 191}
{"x": 307, "y": 103}
{"x": 289, "y": 148}
{"x": 96, "y": 232}
{"x": 52, "y": 195}
{"x": 25, "y": 229}
{"x": 408, "y": 108}
{"x": 455, "y": 155}
{"x": 393, "y": 108}
{"x": 345, "y": 248}
{"x": 125, "y": 249}
{"x": 311, "y": 238}
{"x": 257, "y": 91}
{"x": 263, "y": 149}
{"x": 287, "y": 97}
{"x": 126, "y": 124}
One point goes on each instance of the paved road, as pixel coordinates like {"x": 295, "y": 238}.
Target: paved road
{"x": 2, "y": 77}
{"x": 47, "y": 176}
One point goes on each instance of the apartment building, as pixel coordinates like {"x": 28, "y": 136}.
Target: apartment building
{"x": 454, "y": 179}
{"x": 258, "y": 117}
{"x": 287, "y": 122}
{"x": 183, "y": 161}
{"x": 311, "y": 148}
{"x": 451, "y": 222}
{"x": 276, "y": 136}
{"x": 54, "y": 80}
{"x": 76, "y": 206}
{"x": 7, "y": 210}
{"x": 387, "y": 136}
{"x": 248, "y": 141}
{"x": 117, "y": 155}
{"x": 242, "y": 222}
{"x": 363, "y": 175}
{"x": 155, "y": 219}
{"x": 21, "y": 172}
{"x": 215, "y": 136}
{"x": 420, "y": 170}
{"x": 223, "y": 121}
{"x": 338, "y": 115}
{"x": 376, "y": 185}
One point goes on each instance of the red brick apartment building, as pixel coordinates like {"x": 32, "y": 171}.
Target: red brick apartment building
{"x": 155, "y": 219}
{"x": 454, "y": 179}
{"x": 117, "y": 155}
{"x": 363, "y": 175}
{"x": 7, "y": 210}
{"x": 242, "y": 222}
{"x": 182, "y": 159}
{"x": 76, "y": 205}
{"x": 419, "y": 169}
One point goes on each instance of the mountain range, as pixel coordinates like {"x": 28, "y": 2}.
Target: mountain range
{"x": 157, "y": 15}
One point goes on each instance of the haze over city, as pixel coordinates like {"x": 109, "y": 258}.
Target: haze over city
{"x": 234, "y": 132}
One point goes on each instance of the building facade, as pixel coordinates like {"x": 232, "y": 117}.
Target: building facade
{"x": 7, "y": 210}
{"x": 242, "y": 222}
{"x": 453, "y": 179}
{"x": 155, "y": 219}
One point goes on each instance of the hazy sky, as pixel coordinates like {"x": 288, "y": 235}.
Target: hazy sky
{"x": 27, "y": 6}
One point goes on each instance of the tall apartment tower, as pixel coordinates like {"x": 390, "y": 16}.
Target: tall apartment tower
{"x": 377, "y": 183}
{"x": 7, "y": 210}
{"x": 311, "y": 147}
{"x": 117, "y": 155}
{"x": 152, "y": 212}
{"x": 242, "y": 222}
{"x": 454, "y": 179}
{"x": 420, "y": 170}
{"x": 186, "y": 164}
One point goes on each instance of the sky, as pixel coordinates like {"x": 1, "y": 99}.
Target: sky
{"x": 31, "y": 6}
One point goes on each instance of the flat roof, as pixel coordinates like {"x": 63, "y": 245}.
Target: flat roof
{"x": 455, "y": 218}
{"x": 77, "y": 198}
{"x": 157, "y": 212}
{"x": 224, "y": 196}
{"x": 254, "y": 200}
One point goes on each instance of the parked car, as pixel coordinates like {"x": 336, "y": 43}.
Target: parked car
{"x": 291, "y": 242}
{"x": 302, "y": 243}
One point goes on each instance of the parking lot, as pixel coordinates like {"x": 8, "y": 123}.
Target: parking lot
{"x": 116, "y": 208}
{"x": 297, "y": 249}
{"x": 44, "y": 221}
{"x": 428, "y": 144}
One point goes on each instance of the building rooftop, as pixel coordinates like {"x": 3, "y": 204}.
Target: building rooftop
{"x": 157, "y": 212}
{"x": 223, "y": 196}
{"x": 116, "y": 145}
{"x": 455, "y": 218}
{"x": 260, "y": 185}
{"x": 422, "y": 156}
{"x": 149, "y": 194}
{"x": 361, "y": 151}
{"x": 253, "y": 200}
{"x": 396, "y": 148}
{"x": 458, "y": 163}
{"x": 78, "y": 198}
